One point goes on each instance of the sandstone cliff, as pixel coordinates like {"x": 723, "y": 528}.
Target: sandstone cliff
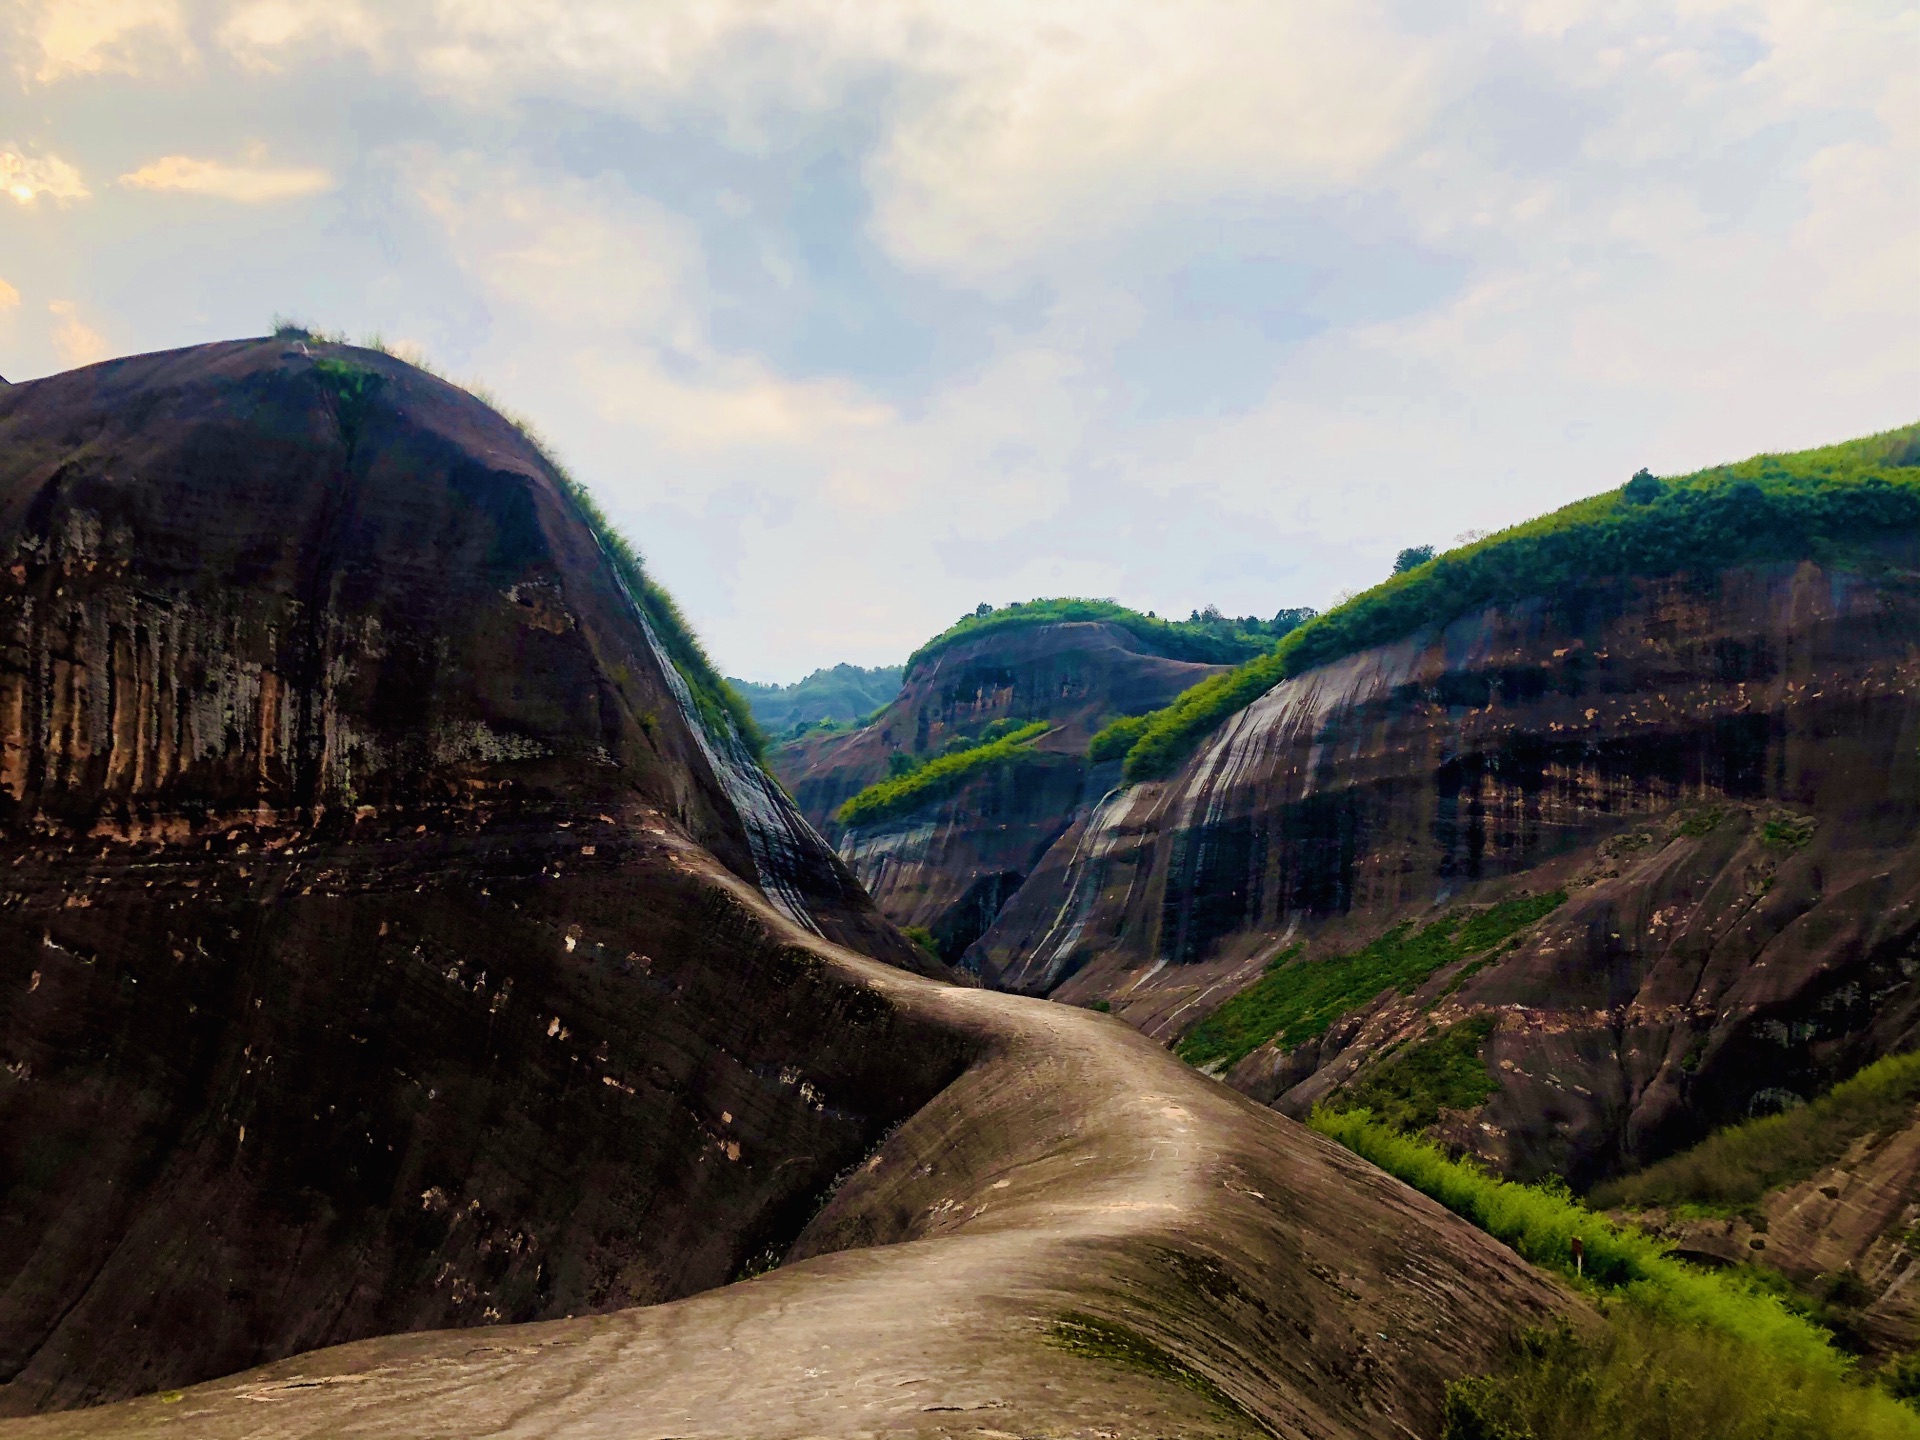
{"x": 350, "y": 975}
{"x": 396, "y": 936}
{"x": 1722, "y": 771}
{"x": 949, "y": 866}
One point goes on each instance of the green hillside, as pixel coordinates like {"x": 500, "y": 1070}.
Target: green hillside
{"x": 939, "y": 777}
{"x": 1834, "y": 503}
{"x": 842, "y": 695}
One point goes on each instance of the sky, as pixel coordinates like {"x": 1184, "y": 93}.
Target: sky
{"x": 855, "y": 315}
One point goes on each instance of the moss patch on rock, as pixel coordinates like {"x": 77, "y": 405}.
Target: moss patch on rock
{"x": 1443, "y": 1071}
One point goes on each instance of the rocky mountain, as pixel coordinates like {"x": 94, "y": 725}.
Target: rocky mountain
{"x": 1628, "y": 857}
{"x": 947, "y": 860}
{"x": 358, "y": 971}
{"x": 398, "y": 937}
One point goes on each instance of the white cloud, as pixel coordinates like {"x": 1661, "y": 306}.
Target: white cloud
{"x": 1034, "y": 126}
{"x": 1015, "y": 126}
{"x": 74, "y": 341}
{"x": 246, "y": 184}
{"x": 261, "y": 34}
{"x": 858, "y": 315}
{"x": 28, "y": 178}
{"x": 94, "y": 37}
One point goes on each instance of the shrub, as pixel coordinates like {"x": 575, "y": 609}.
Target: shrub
{"x": 1735, "y": 1167}
{"x": 1649, "y": 1378}
{"x": 937, "y": 778}
{"x": 1297, "y": 1000}
{"x": 1643, "y": 489}
{"x": 1541, "y": 1222}
{"x": 1900, "y": 1377}
{"x": 1836, "y": 504}
{"x": 1441, "y": 1072}
{"x": 721, "y": 709}
{"x": 1412, "y": 558}
{"x": 1115, "y": 738}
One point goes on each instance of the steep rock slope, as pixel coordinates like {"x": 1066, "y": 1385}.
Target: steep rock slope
{"x": 1079, "y": 1238}
{"x": 353, "y": 977}
{"x": 394, "y": 938}
{"x": 950, "y": 864}
{"x": 1722, "y": 771}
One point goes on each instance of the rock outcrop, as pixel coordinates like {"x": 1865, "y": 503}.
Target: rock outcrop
{"x": 1080, "y": 1237}
{"x": 1723, "y": 771}
{"x": 356, "y": 974}
{"x": 950, "y": 865}
{"x": 395, "y": 936}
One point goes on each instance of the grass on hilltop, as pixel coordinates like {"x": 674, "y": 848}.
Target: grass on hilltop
{"x": 938, "y": 777}
{"x": 1831, "y": 504}
{"x": 1733, "y": 1168}
{"x": 1208, "y": 637}
{"x": 1684, "y": 1352}
{"x": 1297, "y": 999}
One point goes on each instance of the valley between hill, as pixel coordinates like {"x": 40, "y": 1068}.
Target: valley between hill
{"x": 422, "y": 1014}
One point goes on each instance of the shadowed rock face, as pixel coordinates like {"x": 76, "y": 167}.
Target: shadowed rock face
{"x": 1725, "y": 774}
{"x": 951, "y": 866}
{"x": 361, "y": 969}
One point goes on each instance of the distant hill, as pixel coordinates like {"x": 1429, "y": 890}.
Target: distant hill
{"x": 985, "y": 745}
{"x": 843, "y": 694}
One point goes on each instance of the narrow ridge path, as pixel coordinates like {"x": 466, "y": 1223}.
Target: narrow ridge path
{"x": 1262, "y": 1280}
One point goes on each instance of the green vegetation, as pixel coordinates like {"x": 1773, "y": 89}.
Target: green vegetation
{"x": 1733, "y": 1168}
{"x": 826, "y": 699}
{"x": 1097, "y": 1339}
{"x": 1443, "y": 1071}
{"x": 721, "y": 710}
{"x": 352, "y": 388}
{"x": 1679, "y": 1342}
{"x": 923, "y": 937}
{"x": 1297, "y": 1000}
{"x": 1787, "y": 832}
{"x": 1649, "y": 1378}
{"x": 1412, "y": 558}
{"x": 1206, "y": 636}
{"x": 1700, "y": 822}
{"x": 1116, "y": 738}
{"x": 1900, "y": 1377}
{"x": 1835, "y": 504}
{"x": 938, "y": 777}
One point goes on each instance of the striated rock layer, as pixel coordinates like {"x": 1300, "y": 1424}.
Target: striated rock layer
{"x": 949, "y": 866}
{"x": 352, "y": 977}
{"x": 1723, "y": 770}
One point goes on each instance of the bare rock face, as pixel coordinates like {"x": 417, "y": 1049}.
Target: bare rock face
{"x": 372, "y": 948}
{"x": 1722, "y": 771}
{"x": 952, "y": 864}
